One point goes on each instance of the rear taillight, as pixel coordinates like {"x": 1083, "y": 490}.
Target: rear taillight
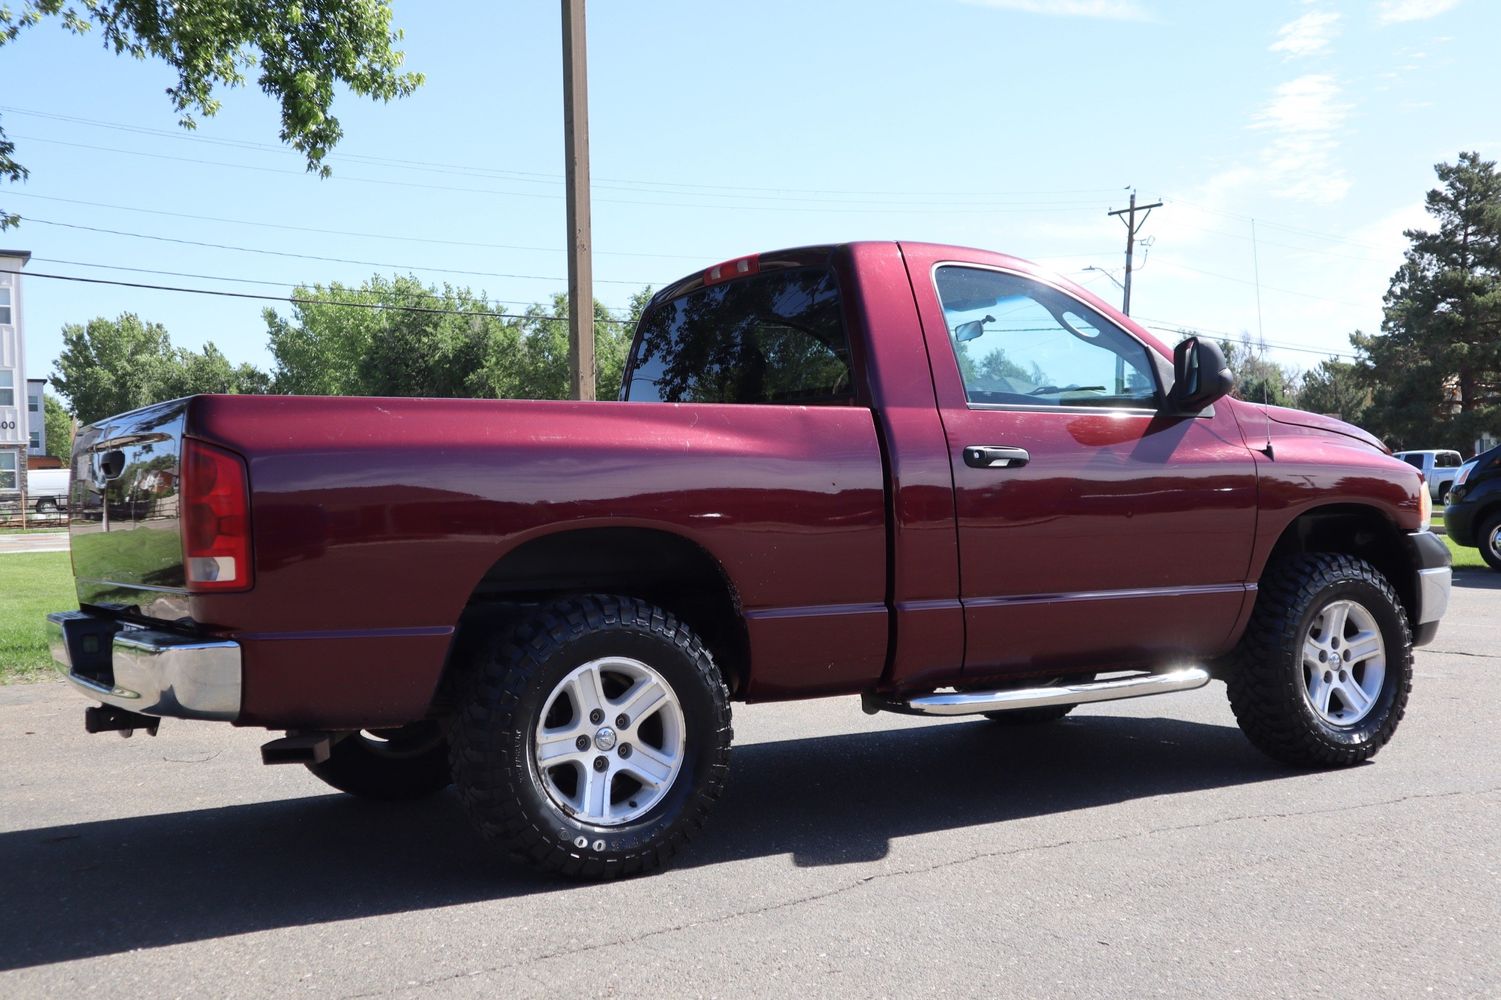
{"x": 215, "y": 500}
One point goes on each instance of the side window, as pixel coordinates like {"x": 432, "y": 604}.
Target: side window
{"x": 775, "y": 337}
{"x": 1018, "y": 341}
{"x": 1448, "y": 460}
{"x": 1416, "y": 461}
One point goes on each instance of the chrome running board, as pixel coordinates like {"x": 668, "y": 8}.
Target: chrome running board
{"x": 975, "y": 702}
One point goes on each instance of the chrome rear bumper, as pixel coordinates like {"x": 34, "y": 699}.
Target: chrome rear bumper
{"x": 146, "y": 670}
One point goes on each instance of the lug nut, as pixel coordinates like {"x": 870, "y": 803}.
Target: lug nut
{"x": 596, "y": 717}
{"x": 625, "y": 750}
{"x": 582, "y": 742}
{"x": 1328, "y": 676}
{"x": 622, "y": 721}
{"x": 1323, "y": 656}
{"x": 600, "y": 763}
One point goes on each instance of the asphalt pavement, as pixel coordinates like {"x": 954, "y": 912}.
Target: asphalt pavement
{"x": 34, "y": 541}
{"x": 1137, "y": 849}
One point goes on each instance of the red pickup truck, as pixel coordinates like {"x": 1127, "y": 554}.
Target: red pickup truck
{"x": 939, "y": 478}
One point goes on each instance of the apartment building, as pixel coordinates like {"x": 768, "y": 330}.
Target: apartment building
{"x": 15, "y": 431}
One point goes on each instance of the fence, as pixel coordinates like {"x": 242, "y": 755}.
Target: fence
{"x": 14, "y": 515}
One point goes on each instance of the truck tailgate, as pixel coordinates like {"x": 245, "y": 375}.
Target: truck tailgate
{"x": 126, "y": 539}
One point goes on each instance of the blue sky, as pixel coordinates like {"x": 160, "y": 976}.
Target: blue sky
{"x": 722, "y": 129}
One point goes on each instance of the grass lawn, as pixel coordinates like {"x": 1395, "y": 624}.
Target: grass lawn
{"x": 1464, "y": 555}
{"x": 31, "y": 584}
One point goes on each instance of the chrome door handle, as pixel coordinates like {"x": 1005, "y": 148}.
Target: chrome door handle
{"x": 985, "y": 456}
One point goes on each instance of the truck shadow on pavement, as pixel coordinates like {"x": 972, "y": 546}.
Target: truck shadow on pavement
{"x": 106, "y": 887}
{"x": 1477, "y": 579}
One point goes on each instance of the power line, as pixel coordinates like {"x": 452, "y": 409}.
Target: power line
{"x": 917, "y": 208}
{"x": 300, "y": 300}
{"x": 519, "y": 175}
{"x": 341, "y": 232}
{"x": 323, "y": 259}
{"x": 251, "y": 281}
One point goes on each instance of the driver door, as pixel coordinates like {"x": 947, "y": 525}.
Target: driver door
{"x": 1092, "y": 527}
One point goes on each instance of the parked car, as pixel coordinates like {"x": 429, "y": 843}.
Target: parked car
{"x": 47, "y": 489}
{"x": 1473, "y": 514}
{"x": 941, "y": 479}
{"x": 1438, "y": 467}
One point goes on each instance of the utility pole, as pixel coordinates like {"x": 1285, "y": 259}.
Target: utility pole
{"x": 1131, "y": 227}
{"x": 576, "y": 166}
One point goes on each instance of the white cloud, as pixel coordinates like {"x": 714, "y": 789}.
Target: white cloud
{"x": 1398, "y": 11}
{"x": 1110, "y": 10}
{"x": 1307, "y": 35}
{"x": 1303, "y": 119}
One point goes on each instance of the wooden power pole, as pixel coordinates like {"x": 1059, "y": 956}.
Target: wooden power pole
{"x": 1131, "y": 227}
{"x": 576, "y": 166}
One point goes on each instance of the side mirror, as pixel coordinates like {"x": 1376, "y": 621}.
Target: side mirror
{"x": 1200, "y": 376}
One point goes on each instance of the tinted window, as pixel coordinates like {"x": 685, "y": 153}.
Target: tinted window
{"x": 1416, "y": 461}
{"x": 1018, "y": 341}
{"x": 1448, "y": 460}
{"x": 772, "y": 338}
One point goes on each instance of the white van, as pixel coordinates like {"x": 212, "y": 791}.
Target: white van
{"x": 47, "y": 489}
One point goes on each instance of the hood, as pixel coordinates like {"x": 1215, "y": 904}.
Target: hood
{"x": 1302, "y": 418}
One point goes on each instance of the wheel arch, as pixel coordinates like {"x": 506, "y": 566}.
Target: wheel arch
{"x": 652, "y": 564}
{"x": 1358, "y": 530}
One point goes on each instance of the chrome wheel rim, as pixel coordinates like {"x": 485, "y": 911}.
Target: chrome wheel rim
{"x": 1344, "y": 663}
{"x": 1494, "y": 541}
{"x": 610, "y": 741}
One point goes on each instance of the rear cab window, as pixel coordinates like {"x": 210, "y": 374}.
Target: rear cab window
{"x": 773, "y": 337}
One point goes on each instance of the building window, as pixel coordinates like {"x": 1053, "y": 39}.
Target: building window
{"x": 7, "y": 470}
{"x": 33, "y": 403}
{"x": 4, "y": 306}
{"x": 7, "y": 388}
{"x": 36, "y": 440}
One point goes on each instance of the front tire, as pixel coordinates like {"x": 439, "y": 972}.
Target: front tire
{"x": 1323, "y": 672}
{"x": 593, "y": 740}
{"x": 1490, "y": 541}
{"x": 388, "y": 764}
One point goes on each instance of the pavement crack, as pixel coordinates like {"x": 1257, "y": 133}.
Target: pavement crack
{"x": 1461, "y": 652}
{"x": 859, "y": 883}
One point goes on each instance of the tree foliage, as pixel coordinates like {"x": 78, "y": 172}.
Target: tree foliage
{"x": 298, "y": 49}
{"x": 1435, "y": 368}
{"x": 1336, "y": 388}
{"x": 1258, "y": 379}
{"x": 58, "y": 428}
{"x": 110, "y": 366}
{"x": 397, "y": 337}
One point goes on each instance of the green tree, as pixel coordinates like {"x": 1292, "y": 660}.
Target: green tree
{"x": 1435, "y": 368}
{"x": 110, "y": 366}
{"x": 299, "y": 49}
{"x": 388, "y": 337}
{"x": 398, "y": 337}
{"x": 58, "y": 427}
{"x": 1336, "y": 387}
{"x": 1258, "y": 379}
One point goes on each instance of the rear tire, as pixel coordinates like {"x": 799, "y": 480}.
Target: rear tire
{"x": 388, "y": 764}
{"x": 1490, "y": 541}
{"x": 1323, "y": 672}
{"x": 593, "y": 740}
